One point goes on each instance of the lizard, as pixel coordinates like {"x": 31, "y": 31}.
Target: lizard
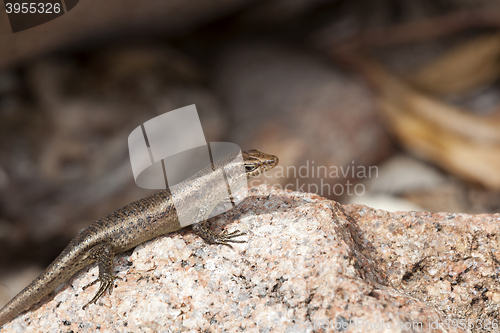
{"x": 134, "y": 224}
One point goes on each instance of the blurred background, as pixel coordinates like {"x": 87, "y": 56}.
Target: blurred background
{"x": 390, "y": 103}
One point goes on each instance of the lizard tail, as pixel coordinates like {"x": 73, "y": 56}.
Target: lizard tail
{"x": 22, "y": 301}
{"x": 58, "y": 272}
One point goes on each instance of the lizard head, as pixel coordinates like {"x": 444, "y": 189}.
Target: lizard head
{"x": 257, "y": 162}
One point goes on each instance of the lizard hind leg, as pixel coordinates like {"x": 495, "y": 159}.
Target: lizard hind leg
{"x": 104, "y": 255}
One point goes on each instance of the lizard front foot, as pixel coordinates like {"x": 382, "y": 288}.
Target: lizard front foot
{"x": 211, "y": 237}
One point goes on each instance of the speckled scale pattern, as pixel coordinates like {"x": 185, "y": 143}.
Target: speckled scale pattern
{"x": 130, "y": 226}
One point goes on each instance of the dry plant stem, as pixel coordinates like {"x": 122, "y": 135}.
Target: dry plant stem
{"x": 471, "y": 64}
{"x": 421, "y": 30}
{"x": 464, "y": 144}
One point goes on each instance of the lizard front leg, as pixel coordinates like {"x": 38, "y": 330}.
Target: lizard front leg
{"x": 208, "y": 235}
{"x": 104, "y": 255}
{"x": 211, "y": 237}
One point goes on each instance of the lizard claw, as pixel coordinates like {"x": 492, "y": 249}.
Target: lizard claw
{"x": 106, "y": 284}
{"x": 227, "y": 237}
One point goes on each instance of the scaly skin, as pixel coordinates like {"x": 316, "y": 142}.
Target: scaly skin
{"x": 132, "y": 225}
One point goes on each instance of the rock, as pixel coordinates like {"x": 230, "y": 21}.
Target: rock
{"x": 385, "y": 202}
{"x": 449, "y": 260}
{"x": 306, "y": 266}
{"x": 404, "y": 182}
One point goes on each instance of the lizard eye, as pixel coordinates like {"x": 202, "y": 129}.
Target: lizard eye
{"x": 250, "y": 168}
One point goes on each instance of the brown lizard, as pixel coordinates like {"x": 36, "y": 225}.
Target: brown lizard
{"x": 132, "y": 225}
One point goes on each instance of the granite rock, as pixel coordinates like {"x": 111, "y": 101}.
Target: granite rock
{"x": 306, "y": 266}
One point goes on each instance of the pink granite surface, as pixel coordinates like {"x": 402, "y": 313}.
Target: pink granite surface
{"x": 303, "y": 268}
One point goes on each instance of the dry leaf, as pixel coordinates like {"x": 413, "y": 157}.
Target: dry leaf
{"x": 466, "y": 67}
{"x": 462, "y": 143}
